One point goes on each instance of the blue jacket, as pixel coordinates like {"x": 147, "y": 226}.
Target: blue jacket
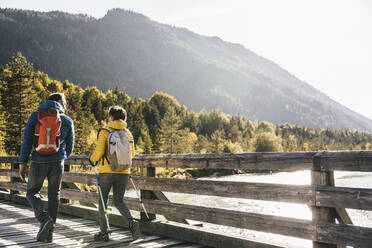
{"x": 67, "y": 137}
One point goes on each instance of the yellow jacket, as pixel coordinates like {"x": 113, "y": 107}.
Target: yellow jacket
{"x": 101, "y": 147}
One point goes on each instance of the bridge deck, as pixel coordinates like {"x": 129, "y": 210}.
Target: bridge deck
{"x": 18, "y": 228}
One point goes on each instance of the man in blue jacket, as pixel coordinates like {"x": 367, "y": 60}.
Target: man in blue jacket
{"x": 43, "y": 166}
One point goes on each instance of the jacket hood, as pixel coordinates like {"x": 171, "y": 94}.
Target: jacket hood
{"x": 52, "y": 104}
{"x": 117, "y": 124}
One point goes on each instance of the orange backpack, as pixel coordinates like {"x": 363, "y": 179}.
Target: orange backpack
{"x": 47, "y": 131}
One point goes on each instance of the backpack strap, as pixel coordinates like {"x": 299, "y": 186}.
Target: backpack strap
{"x": 103, "y": 128}
{"x": 104, "y": 154}
{"x": 127, "y": 132}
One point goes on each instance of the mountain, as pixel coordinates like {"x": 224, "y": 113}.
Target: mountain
{"x": 142, "y": 56}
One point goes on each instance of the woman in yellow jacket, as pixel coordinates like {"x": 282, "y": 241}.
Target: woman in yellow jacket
{"x": 108, "y": 178}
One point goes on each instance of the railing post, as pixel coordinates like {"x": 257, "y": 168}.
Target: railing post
{"x": 147, "y": 194}
{"x": 323, "y": 178}
{"x": 66, "y": 169}
{"x": 14, "y": 166}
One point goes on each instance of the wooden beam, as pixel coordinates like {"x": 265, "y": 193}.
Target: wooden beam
{"x": 254, "y": 161}
{"x": 85, "y": 178}
{"x": 160, "y": 196}
{"x": 285, "y": 161}
{"x": 346, "y": 235}
{"x": 346, "y": 161}
{"x": 8, "y": 159}
{"x": 319, "y": 178}
{"x": 342, "y": 197}
{"x": 147, "y": 194}
{"x": 68, "y": 185}
{"x": 342, "y": 216}
{"x": 14, "y": 167}
{"x": 257, "y": 191}
{"x": 279, "y": 161}
{"x": 9, "y": 173}
{"x": 259, "y": 222}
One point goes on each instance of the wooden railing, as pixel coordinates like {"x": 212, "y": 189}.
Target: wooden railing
{"x": 326, "y": 201}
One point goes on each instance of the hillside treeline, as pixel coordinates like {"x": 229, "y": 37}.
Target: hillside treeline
{"x": 159, "y": 124}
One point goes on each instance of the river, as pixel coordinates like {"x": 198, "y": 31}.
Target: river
{"x": 300, "y": 211}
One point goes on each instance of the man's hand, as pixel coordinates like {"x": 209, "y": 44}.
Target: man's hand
{"x": 22, "y": 171}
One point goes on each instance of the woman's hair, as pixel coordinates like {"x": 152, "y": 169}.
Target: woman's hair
{"x": 58, "y": 97}
{"x": 118, "y": 113}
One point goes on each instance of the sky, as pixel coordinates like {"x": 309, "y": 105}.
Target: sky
{"x": 326, "y": 43}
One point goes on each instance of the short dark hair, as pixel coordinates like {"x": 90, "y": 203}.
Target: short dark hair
{"x": 58, "y": 97}
{"x": 118, "y": 113}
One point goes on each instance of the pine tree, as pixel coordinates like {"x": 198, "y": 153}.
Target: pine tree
{"x": 84, "y": 121}
{"x": 218, "y": 141}
{"x": 169, "y": 131}
{"x": 267, "y": 142}
{"x": 18, "y": 99}
{"x": 144, "y": 144}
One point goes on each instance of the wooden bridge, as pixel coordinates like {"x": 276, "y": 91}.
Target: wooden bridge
{"x": 330, "y": 225}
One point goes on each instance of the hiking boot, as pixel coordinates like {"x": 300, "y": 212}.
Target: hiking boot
{"x": 134, "y": 228}
{"x": 101, "y": 237}
{"x": 49, "y": 239}
{"x": 46, "y": 227}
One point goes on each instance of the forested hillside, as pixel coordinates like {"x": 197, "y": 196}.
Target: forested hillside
{"x": 142, "y": 57}
{"x": 160, "y": 124}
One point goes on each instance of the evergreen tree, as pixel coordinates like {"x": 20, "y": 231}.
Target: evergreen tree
{"x": 144, "y": 144}
{"x": 18, "y": 99}
{"x": 84, "y": 121}
{"x": 267, "y": 142}
{"x": 169, "y": 131}
{"x": 218, "y": 141}
{"x": 93, "y": 101}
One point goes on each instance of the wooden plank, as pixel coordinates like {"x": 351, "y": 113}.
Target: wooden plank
{"x": 9, "y": 172}
{"x": 331, "y": 160}
{"x": 69, "y": 177}
{"x": 257, "y": 191}
{"x": 346, "y": 235}
{"x": 77, "y": 160}
{"x": 179, "y": 231}
{"x": 14, "y": 186}
{"x": 160, "y": 196}
{"x": 123, "y": 243}
{"x": 85, "y": 178}
{"x": 67, "y": 234}
{"x": 203, "y": 236}
{"x": 346, "y": 161}
{"x": 164, "y": 242}
{"x": 255, "y": 161}
{"x": 8, "y": 159}
{"x": 342, "y": 197}
{"x": 259, "y": 222}
{"x": 69, "y": 185}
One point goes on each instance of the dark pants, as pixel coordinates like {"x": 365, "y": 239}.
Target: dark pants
{"x": 38, "y": 172}
{"x": 119, "y": 183}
